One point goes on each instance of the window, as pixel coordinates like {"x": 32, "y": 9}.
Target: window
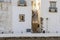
{"x": 52, "y": 7}
{"x": 22, "y": 3}
{"x": 21, "y": 17}
{"x": 28, "y": 30}
{"x": 4, "y": 4}
{"x": 52, "y": 3}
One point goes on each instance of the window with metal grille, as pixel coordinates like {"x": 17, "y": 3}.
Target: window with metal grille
{"x": 52, "y": 7}
{"x": 28, "y": 30}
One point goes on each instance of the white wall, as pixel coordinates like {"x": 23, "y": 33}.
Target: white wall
{"x": 53, "y": 18}
{"x": 19, "y": 27}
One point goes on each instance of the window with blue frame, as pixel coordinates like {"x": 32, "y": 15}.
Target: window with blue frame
{"x": 22, "y": 3}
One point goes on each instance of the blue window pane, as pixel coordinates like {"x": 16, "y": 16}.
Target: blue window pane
{"x": 28, "y": 30}
{"x": 22, "y": 1}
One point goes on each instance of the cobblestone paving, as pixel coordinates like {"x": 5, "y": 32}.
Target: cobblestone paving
{"x": 32, "y": 38}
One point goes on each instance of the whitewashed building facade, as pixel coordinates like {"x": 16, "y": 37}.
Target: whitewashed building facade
{"x": 51, "y": 9}
{"x": 29, "y": 16}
